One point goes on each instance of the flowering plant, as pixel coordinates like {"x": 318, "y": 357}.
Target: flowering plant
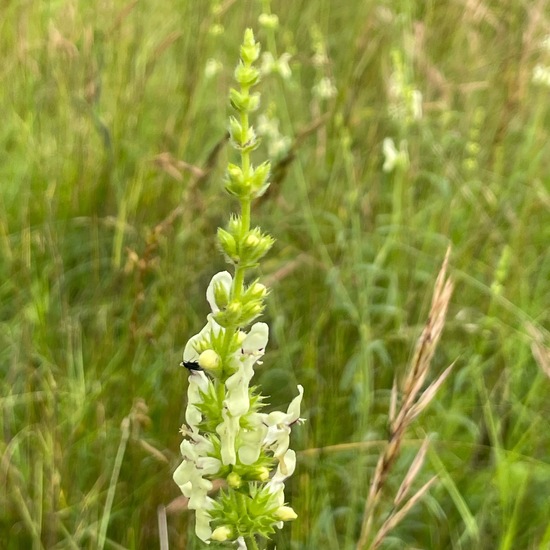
{"x": 227, "y": 436}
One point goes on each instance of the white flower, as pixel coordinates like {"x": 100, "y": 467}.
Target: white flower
{"x": 278, "y": 432}
{"x": 541, "y": 75}
{"x": 219, "y": 290}
{"x": 255, "y": 341}
{"x": 252, "y": 349}
{"x": 238, "y": 399}
{"x": 198, "y": 382}
{"x": 212, "y": 68}
{"x": 394, "y": 157}
{"x": 268, "y": 20}
{"x": 202, "y": 521}
{"x": 228, "y": 431}
{"x": 416, "y": 104}
{"x": 277, "y": 144}
{"x": 201, "y": 341}
{"x": 325, "y": 88}
{"x": 283, "y": 67}
{"x": 250, "y": 441}
{"x": 272, "y": 65}
{"x": 189, "y": 479}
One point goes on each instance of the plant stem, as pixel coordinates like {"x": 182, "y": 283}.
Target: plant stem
{"x": 251, "y": 543}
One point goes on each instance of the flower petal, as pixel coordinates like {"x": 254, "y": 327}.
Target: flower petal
{"x": 219, "y": 285}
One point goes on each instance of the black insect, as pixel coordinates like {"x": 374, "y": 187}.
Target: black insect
{"x": 191, "y": 365}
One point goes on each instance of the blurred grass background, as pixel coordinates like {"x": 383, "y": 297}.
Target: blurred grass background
{"x": 112, "y": 147}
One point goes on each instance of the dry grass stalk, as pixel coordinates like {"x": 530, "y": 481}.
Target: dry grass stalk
{"x": 411, "y": 406}
{"x": 414, "y": 468}
{"x": 397, "y": 515}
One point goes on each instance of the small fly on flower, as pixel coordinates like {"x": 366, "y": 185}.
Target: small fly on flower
{"x": 190, "y": 365}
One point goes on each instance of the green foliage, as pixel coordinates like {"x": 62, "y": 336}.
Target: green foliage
{"x": 111, "y": 169}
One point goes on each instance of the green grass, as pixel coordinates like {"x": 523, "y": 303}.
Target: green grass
{"x": 97, "y": 299}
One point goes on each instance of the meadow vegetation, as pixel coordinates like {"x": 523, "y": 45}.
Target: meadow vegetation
{"x": 113, "y": 145}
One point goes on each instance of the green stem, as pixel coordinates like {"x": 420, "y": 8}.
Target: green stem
{"x": 251, "y": 543}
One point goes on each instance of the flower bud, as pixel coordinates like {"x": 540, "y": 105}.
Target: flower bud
{"x": 235, "y": 173}
{"x": 235, "y": 225}
{"x": 262, "y": 473}
{"x": 254, "y": 246}
{"x": 234, "y": 480}
{"x": 235, "y": 131}
{"x": 209, "y": 360}
{"x": 236, "y": 184}
{"x": 285, "y": 513}
{"x": 244, "y": 103}
{"x": 246, "y": 76}
{"x": 250, "y": 49}
{"x": 222, "y": 533}
{"x": 251, "y": 240}
{"x": 259, "y": 181}
{"x": 250, "y": 311}
{"x": 231, "y": 315}
{"x": 257, "y": 291}
{"x": 228, "y": 245}
{"x": 221, "y": 295}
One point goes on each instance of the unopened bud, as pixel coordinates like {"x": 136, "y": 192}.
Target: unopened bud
{"x": 222, "y": 533}
{"x": 209, "y": 360}
{"x": 286, "y": 513}
{"x": 250, "y": 49}
{"x": 227, "y": 244}
{"x": 234, "y": 480}
{"x": 263, "y": 473}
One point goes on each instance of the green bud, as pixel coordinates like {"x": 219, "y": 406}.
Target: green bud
{"x": 235, "y": 173}
{"x": 220, "y": 295}
{"x": 235, "y": 130}
{"x": 257, "y": 291}
{"x": 254, "y": 246}
{"x": 234, "y": 309}
{"x": 249, "y": 142}
{"x": 252, "y": 240}
{"x": 235, "y": 226}
{"x": 228, "y": 245}
{"x": 231, "y": 315}
{"x": 234, "y": 480}
{"x": 246, "y": 76}
{"x": 259, "y": 181}
{"x": 244, "y": 103}
{"x": 262, "y": 473}
{"x": 250, "y": 49}
{"x": 236, "y": 184}
{"x": 249, "y": 246}
{"x": 266, "y": 242}
{"x": 251, "y": 311}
